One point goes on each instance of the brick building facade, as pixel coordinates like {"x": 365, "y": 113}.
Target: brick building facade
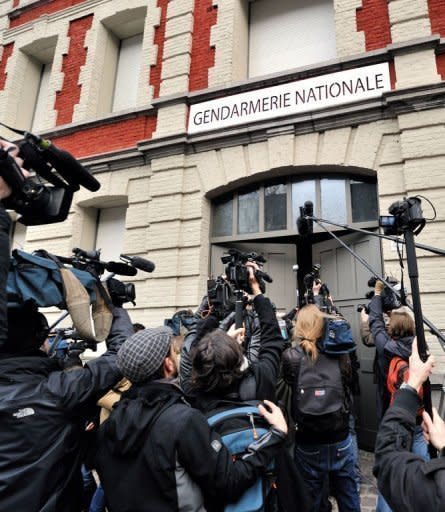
{"x": 167, "y": 178}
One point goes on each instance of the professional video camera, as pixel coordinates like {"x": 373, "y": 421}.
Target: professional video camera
{"x": 90, "y": 261}
{"x": 389, "y": 300}
{"x": 314, "y": 277}
{"x": 221, "y": 296}
{"x": 405, "y": 215}
{"x": 36, "y": 202}
{"x": 238, "y": 274}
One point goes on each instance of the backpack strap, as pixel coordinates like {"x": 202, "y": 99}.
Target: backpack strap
{"x": 247, "y": 410}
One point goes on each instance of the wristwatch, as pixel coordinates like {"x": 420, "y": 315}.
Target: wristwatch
{"x": 405, "y": 385}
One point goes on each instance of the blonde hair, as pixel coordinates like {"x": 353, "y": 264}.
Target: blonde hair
{"x": 308, "y": 328}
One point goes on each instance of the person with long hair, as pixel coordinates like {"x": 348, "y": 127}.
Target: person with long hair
{"x": 393, "y": 345}
{"x": 321, "y": 405}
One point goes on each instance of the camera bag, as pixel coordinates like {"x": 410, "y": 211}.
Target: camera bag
{"x": 45, "y": 281}
{"x": 337, "y": 338}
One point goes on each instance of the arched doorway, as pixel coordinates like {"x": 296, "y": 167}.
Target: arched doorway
{"x": 262, "y": 218}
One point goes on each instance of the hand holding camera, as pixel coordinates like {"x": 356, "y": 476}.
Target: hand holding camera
{"x": 252, "y": 268}
{"x": 379, "y": 287}
{"x": 10, "y": 151}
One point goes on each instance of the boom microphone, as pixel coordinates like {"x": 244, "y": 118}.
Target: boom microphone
{"x": 120, "y": 268}
{"x": 139, "y": 263}
{"x": 305, "y": 226}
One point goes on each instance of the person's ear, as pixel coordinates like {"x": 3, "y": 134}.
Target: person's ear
{"x": 169, "y": 367}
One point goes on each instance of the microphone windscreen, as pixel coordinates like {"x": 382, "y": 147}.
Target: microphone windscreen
{"x": 309, "y": 208}
{"x": 143, "y": 264}
{"x": 120, "y": 268}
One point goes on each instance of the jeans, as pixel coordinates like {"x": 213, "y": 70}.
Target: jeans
{"x": 318, "y": 461}
{"x": 419, "y": 447}
{"x": 98, "y": 501}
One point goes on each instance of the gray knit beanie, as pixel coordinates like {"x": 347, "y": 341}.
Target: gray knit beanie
{"x": 142, "y": 354}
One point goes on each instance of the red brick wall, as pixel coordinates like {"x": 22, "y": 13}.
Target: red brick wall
{"x": 159, "y": 38}
{"x": 122, "y": 134}
{"x": 72, "y": 62}
{"x": 47, "y": 8}
{"x": 7, "y": 51}
{"x": 437, "y": 19}
{"x": 203, "y": 55}
{"x": 373, "y": 20}
{"x": 437, "y": 16}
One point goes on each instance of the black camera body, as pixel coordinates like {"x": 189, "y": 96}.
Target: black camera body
{"x": 120, "y": 292}
{"x": 221, "y": 296}
{"x": 39, "y": 203}
{"x": 404, "y": 215}
{"x": 389, "y": 299}
{"x": 312, "y": 276}
{"x": 361, "y": 307}
{"x": 238, "y": 274}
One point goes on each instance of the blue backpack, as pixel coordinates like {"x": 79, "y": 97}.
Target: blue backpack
{"x": 240, "y": 427}
{"x": 337, "y": 338}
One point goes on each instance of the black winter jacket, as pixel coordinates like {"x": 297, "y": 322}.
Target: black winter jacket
{"x": 386, "y": 349}
{"x": 42, "y": 417}
{"x": 406, "y": 481}
{"x": 261, "y": 378}
{"x": 157, "y": 453}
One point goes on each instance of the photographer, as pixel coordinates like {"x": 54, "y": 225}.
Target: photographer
{"x": 393, "y": 347}
{"x": 390, "y": 340}
{"x": 42, "y": 409}
{"x": 407, "y": 481}
{"x": 157, "y": 453}
{"x": 221, "y": 381}
{"x": 260, "y": 377}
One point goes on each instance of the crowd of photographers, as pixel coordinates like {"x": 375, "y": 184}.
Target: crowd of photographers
{"x": 193, "y": 424}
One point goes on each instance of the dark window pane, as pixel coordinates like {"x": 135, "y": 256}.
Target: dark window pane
{"x": 302, "y": 191}
{"x": 364, "y": 201}
{"x": 275, "y": 206}
{"x": 333, "y": 200}
{"x": 248, "y": 212}
{"x": 223, "y": 218}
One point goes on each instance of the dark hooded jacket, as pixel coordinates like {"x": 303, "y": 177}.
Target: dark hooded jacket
{"x": 157, "y": 453}
{"x": 406, "y": 480}
{"x": 386, "y": 348}
{"x": 261, "y": 378}
{"x": 42, "y": 415}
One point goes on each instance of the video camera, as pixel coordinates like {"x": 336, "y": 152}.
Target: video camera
{"x": 404, "y": 215}
{"x": 238, "y": 274}
{"x": 221, "y": 296}
{"x": 389, "y": 300}
{"x": 38, "y": 203}
{"x": 311, "y": 278}
{"x": 90, "y": 261}
{"x": 63, "y": 340}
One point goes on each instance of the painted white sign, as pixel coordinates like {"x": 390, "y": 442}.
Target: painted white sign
{"x": 289, "y": 99}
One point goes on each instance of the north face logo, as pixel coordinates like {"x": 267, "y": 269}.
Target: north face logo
{"x": 22, "y": 413}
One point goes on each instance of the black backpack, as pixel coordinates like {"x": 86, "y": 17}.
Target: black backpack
{"x": 321, "y": 398}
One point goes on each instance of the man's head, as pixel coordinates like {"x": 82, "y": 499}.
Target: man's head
{"x": 148, "y": 355}
{"x": 217, "y": 363}
{"x": 27, "y": 329}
